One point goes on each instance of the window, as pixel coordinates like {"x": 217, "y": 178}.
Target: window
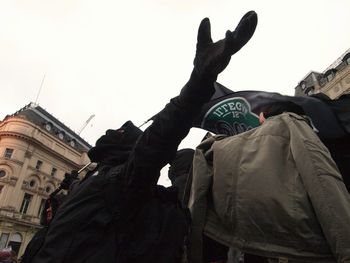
{"x": 53, "y": 171}
{"x": 61, "y": 135}
{"x": 330, "y": 77}
{"x": 32, "y": 183}
{"x": 25, "y": 203}
{"x": 72, "y": 143}
{"x": 2, "y": 173}
{"x": 3, "y": 240}
{"x": 346, "y": 58}
{"x": 15, "y": 242}
{"x": 48, "y": 189}
{"x": 38, "y": 164}
{"x": 41, "y": 207}
{"x": 322, "y": 81}
{"x": 8, "y": 153}
{"x": 48, "y": 126}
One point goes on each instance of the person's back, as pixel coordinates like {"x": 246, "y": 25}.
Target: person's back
{"x": 99, "y": 212}
{"x": 281, "y": 190}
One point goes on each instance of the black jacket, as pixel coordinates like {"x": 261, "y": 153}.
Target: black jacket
{"x": 119, "y": 214}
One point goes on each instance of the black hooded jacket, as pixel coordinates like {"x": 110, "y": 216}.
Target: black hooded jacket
{"x": 179, "y": 169}
{"x": 119, "y": 213}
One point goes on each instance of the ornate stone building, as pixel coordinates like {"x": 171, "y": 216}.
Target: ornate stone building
{"x": 36, "y": 150}
{"x": 332, "y": 83}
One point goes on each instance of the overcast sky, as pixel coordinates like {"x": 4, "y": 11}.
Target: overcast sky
{"x": 124, "y": 60}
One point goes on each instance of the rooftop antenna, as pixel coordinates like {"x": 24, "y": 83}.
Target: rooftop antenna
{"x": 41, "y": 85}
{"x": 85, "y": 124}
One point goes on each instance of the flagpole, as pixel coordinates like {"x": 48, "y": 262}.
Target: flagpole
{"x": 41, "y": 85}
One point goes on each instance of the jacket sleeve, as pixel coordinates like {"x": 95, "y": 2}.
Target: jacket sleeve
{"x": 157, "y": 146}
{"x": 325, "y": 188}
{"x": 202, "y": 178}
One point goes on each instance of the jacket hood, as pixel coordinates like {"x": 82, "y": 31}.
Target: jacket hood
{"x": 115, "y": 146}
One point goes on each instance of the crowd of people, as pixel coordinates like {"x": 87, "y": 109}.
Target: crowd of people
{"x": 271, "y": 194}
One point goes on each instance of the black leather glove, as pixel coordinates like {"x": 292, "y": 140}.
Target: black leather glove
{"x": 68, "y": 179}
{"x": 212, "y": 58}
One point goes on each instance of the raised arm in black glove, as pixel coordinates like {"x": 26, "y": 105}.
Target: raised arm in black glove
{"x": 213, "y": 57}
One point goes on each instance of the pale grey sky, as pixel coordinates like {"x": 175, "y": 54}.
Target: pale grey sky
{"x": 124, "y": 60}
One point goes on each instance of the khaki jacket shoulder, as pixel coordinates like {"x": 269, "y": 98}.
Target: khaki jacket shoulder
{"x": 272, "y": 191}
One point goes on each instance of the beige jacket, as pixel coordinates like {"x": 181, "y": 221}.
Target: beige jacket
{"x": 273, "y": 191}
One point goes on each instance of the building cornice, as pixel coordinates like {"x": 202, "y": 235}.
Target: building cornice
{"x": 17, "y": 218}
{"x": 39, "y": 144}
{"x": 39, "y": 116}
{"x": 5, "y": 161}
{"x": 11, "y": 180}
{"x": 36, "y": 126}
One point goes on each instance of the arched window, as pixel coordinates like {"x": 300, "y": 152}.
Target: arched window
{"x": 72, "y": 143}
{"x": 330, "y": 74}
{"x": 310, "y": 91}
{"x": 61, "y": 135}
{"x": 346, "y": 58}
{"x": 15, "y": 242}
{"x": 2, "y": 173}
{"x": 32, "y": 183}
{"x": 48, "y": 189}
{"x": 48, "y": 126}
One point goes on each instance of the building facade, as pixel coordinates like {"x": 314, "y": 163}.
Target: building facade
{"x": 332, "y": 83}
{"x": 36, "y": 150}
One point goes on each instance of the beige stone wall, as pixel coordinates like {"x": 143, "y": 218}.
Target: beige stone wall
{"x": 30, "y": 143}
{"x": 334, "y": 84}
{"x": 340, "y": 85}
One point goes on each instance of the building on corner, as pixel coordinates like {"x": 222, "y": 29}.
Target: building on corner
{"x": 332, "y": 83}
{"x": 36, "y": 150}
